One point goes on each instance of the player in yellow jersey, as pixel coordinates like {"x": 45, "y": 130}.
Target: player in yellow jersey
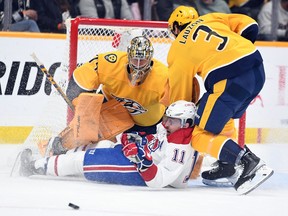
{"x": 219, "y": 48}
{"x": 134, "y": 78}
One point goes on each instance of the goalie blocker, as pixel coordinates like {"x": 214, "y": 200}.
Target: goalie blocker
{"x": 93, "y": 121}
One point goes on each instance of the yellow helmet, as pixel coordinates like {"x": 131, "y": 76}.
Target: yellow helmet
{"x": 181, "y": 16}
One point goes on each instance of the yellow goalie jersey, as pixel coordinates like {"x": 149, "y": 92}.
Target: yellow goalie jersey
{"x": 208, "y": 43}
{"x": 146, "y": 102}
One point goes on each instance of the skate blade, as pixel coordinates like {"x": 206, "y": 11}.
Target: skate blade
{"x": 223, "y": 182}
{"x": 261, "y": 175}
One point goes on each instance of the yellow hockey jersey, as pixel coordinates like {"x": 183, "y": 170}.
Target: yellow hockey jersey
{"x": 146, "y": 102}
{"x": 210, "y": 42}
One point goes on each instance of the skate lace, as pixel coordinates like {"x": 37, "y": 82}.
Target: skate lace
{"x": 216, "y": 167}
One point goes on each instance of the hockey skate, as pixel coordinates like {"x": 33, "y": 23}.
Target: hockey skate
{"x": 254, "y": 173}
{"x": 221, "y": 175}
{"x": 27, "y": 166}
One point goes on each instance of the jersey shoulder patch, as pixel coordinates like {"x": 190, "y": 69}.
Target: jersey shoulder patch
{"x": 112, "y": 58}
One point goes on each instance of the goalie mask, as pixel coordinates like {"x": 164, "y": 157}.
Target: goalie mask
{"x": 140, "y": 53}
{"x": 180, "y": 17}
{"x": 183, "y": 110}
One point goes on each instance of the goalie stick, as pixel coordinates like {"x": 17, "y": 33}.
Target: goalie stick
{"x": 52, "y": 81}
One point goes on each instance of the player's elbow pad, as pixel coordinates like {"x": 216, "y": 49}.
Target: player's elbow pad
{"x": 251, "y": 32}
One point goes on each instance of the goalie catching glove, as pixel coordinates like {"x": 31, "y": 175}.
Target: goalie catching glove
{"x": 135, "y": 148}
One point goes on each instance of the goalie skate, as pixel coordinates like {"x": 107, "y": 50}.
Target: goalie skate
{"x": 260, "y": 176}
{"x": 54, "y": 147}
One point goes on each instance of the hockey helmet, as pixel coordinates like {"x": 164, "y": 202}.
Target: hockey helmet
{"x": 182, "y": 110}
{"x": 140, "y": 53}
{"x": 180, "y": 16}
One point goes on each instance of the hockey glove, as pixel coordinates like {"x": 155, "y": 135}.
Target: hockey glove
{"x": 138, "y": 154}
{"x": 133, "y": 137}
{"x": 140, "y": 138}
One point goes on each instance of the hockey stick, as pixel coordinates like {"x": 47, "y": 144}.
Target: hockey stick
{"x": 52, "y": 81}
{"x": 197, "y": 168}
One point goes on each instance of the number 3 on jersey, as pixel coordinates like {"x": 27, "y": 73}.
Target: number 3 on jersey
{"x": 210, "y": 34}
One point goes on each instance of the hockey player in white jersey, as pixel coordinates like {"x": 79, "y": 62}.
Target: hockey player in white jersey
{"x": 159, "y": 160}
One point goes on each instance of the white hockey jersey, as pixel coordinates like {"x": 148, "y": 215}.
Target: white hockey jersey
{"x": 173, "y": 159}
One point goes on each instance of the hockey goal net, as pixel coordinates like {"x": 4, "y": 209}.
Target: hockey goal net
{"x": 87, "y": 37}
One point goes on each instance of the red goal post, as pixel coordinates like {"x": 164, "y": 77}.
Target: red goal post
{"x": 87, "y": 37}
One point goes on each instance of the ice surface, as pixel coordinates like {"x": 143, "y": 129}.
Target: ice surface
{"x": 22, "y": 196}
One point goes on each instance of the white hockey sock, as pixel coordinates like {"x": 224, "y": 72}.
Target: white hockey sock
{"x": 66, "y": 164}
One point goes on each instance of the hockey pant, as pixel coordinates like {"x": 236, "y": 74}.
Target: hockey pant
{"x": 109, "y": 165}
{"x": 218, "y": 109}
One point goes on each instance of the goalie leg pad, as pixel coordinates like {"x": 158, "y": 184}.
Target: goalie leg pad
{"x": 86, "y": 118}
{"x": 114, "y": 119}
